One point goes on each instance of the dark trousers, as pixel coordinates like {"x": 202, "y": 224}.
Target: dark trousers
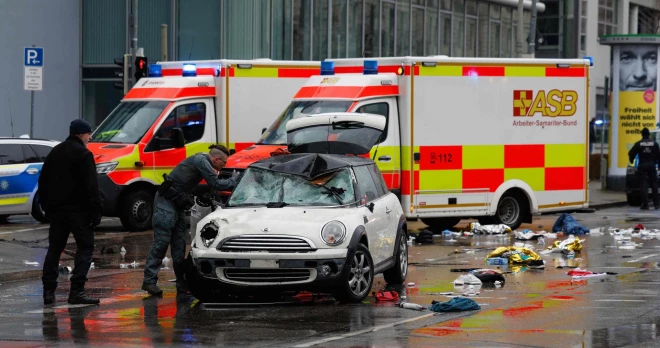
{"x": 648, "y": 176}
{"x": 61, "y": 224}
{"x": 169, "y": 231}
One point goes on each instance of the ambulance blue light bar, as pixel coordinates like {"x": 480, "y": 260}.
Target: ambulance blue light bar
{"x": 189, "y": 70}
{"x": 155, "y": 70}
{"x": 327, "y": 68}
{"x": 370, "y": 67}
{"x": 591, "y": 60}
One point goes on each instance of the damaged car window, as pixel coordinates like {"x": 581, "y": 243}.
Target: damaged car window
{"x": 274, "y": 189}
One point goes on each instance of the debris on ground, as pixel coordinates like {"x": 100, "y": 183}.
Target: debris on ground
{"x": 30, "y": 263}
{"x": 486, "y": 275}
{"x": 64, "y": 270}
{"x": 570, "y": 246}
{"x": 578, "y": 273}
{"x": 413, "y": 306}
{"x": 477, "y": 228}
{"x": 456, "y": 304}
{"x": 113, "y": 249}
{"x": 567, "y": 224}
{"x": 514, "y": 254}
{"x": 529, "y": 234}
{"x": 382, "y": 295}
{"x": 425, "y": 237}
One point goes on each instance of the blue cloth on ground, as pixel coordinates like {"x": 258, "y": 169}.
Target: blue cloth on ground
{"x": 456, "y": 304}
{"x": 569, "y": 225}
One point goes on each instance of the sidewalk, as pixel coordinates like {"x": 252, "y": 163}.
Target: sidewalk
{"x": 599, "y": 199}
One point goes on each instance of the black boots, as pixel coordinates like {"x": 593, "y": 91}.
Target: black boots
{"x": 49, "y": 297}
{"x": 77, "y": 295}
{"x": 152, "y": 289}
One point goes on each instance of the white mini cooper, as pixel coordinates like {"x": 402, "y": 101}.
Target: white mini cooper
{"x": 316, "y": 219}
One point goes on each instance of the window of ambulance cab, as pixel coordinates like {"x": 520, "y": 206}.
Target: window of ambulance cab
{"x": 368, "y": 190}
{"x": 380, "y": 108}
{"x": 276, "y": 133}
{"x": 191, "y": 118}
{"x": 11, "y": 154}
{"x": 129, "y": 121}
{"x": 378, "y": 179}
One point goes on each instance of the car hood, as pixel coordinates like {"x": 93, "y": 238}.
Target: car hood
{"x": 107, "y": 152}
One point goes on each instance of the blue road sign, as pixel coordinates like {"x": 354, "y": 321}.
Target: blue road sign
{"x": 33, "y": 56}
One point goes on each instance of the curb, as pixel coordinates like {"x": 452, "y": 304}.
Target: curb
{"x": 608, "y": 205}
{"x": 20, "y": 275}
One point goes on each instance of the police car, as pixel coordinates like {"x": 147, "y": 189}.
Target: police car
{"x": 21, "y": 160}
{"x": 633, "y": 181}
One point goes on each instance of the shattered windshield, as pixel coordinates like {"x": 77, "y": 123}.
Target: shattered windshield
{"x": 274, "y": 189}
{"x": 276, "y": 133}
{"x": 128, "y": 123}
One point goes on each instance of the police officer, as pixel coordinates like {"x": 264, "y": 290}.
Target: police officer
{"x": 69, "y": 193}
{"x": 649, "y": 155}
{"x": 173, "y": 198}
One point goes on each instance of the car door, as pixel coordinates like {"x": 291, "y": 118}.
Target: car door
{"x": 17, "y": 180}
{"x": 392, "y": 216}
{"x": 376, "y": 220}
{"x": 35, "y": 156}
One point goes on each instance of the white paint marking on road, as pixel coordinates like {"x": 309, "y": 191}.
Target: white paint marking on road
{"x": 373, "y": 329}
{"x": 643, "y": 258}
{"x": 613, "y": 300}
{"x": 43, "y": 228}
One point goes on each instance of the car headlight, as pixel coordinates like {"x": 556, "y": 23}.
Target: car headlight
{"x": 333, "y": 233}
{"x": 106, "y": 167}
{"x": 208, "y": 233}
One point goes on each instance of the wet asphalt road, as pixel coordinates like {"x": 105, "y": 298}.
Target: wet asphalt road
{"x": 535, "y": 308}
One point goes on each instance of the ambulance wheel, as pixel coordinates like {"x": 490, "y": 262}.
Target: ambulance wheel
{"x": 3, "y": 218}
{"x": 440, "y": 224}
{"x": 38, "y": 212}
{"x": 633, "y": 200}
{"x": 136, "y": 210}
{"x": 511, "y": 210}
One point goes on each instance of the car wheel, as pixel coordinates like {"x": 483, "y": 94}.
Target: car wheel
{"x": 38, "y": 212}
{"x": 634, "y": 200}
{"x": 397, "y": 274}
{"x": 440, "y": 224}
{"x": 3, "y": 218}
{"x": 136, "y": 211}
{"x": 510, "y": 210}
{"x": 356, "y": 283}
{"x": 200, "y": 287}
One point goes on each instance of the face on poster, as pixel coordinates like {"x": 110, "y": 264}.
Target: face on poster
{"x": 636, "y": 80}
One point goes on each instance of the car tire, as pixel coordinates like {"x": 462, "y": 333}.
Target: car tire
{"x": 511, "y": 210}
{"x": 3, "y": 218}
{"x": 438, "y": 225}
{"x": 37, "y": 212}
{"x": 397, "y": 274}
{"x": 200, "y": 287}
{"x": 634, "y": 200}
{"x": 347, "y": 293}
{"x": 136, "y": 211}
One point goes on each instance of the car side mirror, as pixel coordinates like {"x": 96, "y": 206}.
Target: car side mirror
{"x": 370, "y": 206}
{"x": 178, "y": 140}
{"x": 263, "y": 130}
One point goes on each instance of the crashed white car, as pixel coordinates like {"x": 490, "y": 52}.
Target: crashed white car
{"x": 315, "y": 219}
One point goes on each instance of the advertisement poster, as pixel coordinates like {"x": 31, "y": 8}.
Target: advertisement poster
{"x": 637, "y": 88}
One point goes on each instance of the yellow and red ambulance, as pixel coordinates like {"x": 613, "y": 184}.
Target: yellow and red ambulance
{"x": 487, "y": 138}
{"x": 179, "y": 110}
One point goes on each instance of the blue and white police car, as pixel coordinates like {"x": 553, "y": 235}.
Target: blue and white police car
{"x": 21, "y": 160}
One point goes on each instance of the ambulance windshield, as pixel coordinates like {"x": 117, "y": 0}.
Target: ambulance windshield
{"x": 276, "y": 133}
{"x": 128, "y": 123}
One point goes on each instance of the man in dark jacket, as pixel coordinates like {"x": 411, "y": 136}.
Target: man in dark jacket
{"x": 173, "y": 198}
{"x": 649, "y": 156}
{"x": 68, "y": 189}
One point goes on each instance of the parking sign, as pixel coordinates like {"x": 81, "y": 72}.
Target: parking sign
{"x": 33, "y": 62}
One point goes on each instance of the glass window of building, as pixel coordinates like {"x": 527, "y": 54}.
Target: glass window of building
{"x": 495, "y": 32}
{"x": 372, "y": 28}
{"x": 355, "y": 28}
{"x": 112, "y": 29}
{"x": 403, "y": 28}
{"x": 607, "y": 17}
{"x": 417, "y": 42}
{"x": 338, "y": 29}
{"x": 198, "y": 29}
{"x": 246, "y": 28}
{"x": 387, "y": 28}
{"x": 432, "y": 28}
{"x": 320, "y": 32}
{"x": 482, "y": 41}
{"x": 583, "y": 27}
{"x": 445, "y": 33}
{"x": 507, "y": 33}
{"x": 151, "y": 14}
{"x": 548, "y": 24}
{"x": 302, "y": 29}
{"x": 282, "y": 18}
{"x": 458, "y": 29}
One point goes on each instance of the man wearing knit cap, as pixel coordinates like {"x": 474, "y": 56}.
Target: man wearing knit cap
{"x": 69, "y": 191}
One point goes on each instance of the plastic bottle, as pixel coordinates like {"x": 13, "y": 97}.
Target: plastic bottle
{"x": 414, "y": 306}
{"x": 541, "y": 241}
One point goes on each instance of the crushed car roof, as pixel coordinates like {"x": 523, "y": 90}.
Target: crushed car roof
{"x": 309, "y": 165}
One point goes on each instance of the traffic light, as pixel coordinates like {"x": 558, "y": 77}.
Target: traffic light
{"x": 141, "y": 68}
{"x": 122, "y": 73}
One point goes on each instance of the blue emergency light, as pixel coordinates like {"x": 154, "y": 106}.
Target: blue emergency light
{"x": 591, "y": 60}
{"x": 370, "y": 67}
{"x": 155, "y": 70}
{"x": 327, "y": 68}
{"x": 189, "y": 69}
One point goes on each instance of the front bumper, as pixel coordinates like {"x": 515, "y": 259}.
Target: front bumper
{"x": 110, "y": 193}
{"x": 312, "y": 271}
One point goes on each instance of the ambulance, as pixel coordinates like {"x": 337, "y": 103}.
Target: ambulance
{"x": 495, "y": 139}
{"x": 179, "y": 110}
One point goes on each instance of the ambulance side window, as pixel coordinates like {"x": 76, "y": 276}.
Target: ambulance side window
{"x": 189, "y": 117}
{"x": 381, "y": 108}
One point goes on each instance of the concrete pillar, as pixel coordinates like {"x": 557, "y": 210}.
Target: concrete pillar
{"x": 634, "y": 19}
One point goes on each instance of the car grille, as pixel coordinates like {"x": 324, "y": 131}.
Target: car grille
{"x": 267, "y": 243}
{"x": 255, "y": 275}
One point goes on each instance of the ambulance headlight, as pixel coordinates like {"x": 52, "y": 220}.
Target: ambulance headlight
{"x": 208, "y": 233}
{"x": 189, "y": 70}
{"x": 333, "y": 233}
{"x": 106, "y": 167}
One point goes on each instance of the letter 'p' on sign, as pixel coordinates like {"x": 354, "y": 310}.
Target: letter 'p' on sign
{"x": 33, "y": 56}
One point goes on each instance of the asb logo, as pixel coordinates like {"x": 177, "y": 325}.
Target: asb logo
{"x": 552, "y": 103}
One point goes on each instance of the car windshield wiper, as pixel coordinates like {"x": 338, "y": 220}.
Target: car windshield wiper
{"x": 334, "y": 191}
{"x": 276, "y": 204}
